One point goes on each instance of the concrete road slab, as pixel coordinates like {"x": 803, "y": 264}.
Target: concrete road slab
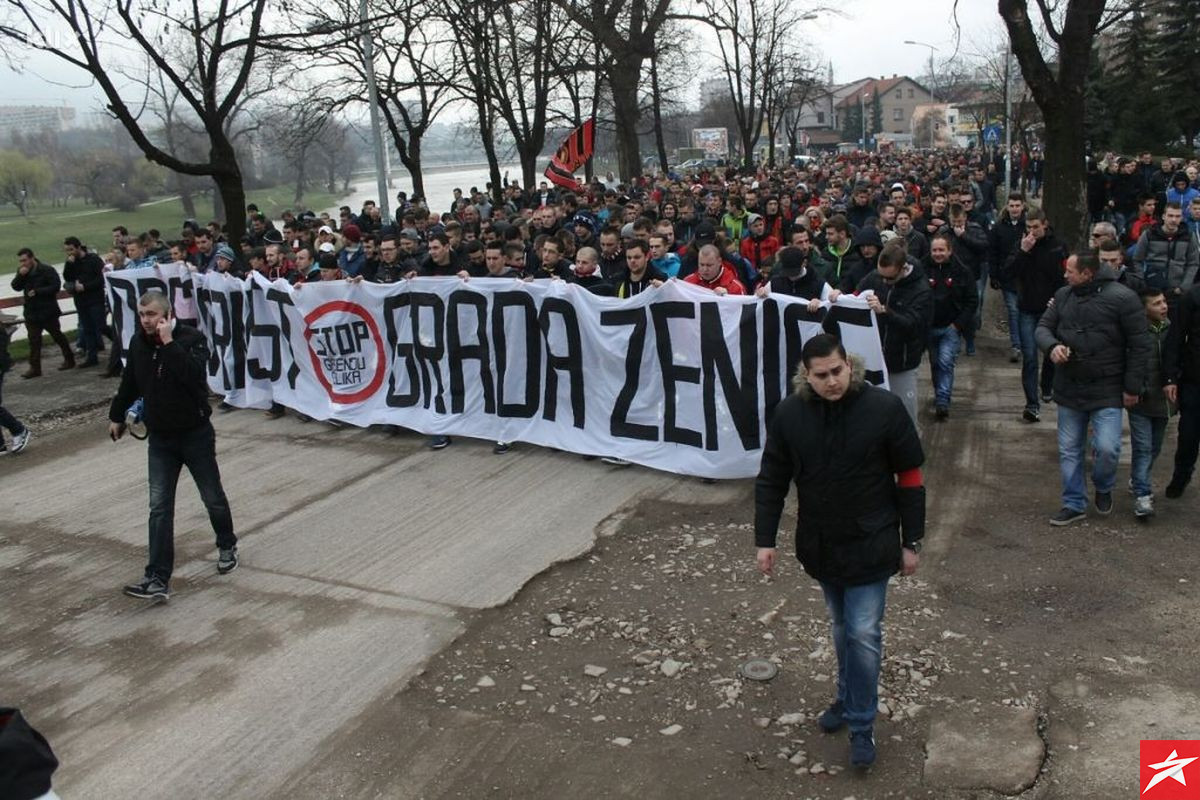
{"x": 362, "y": 556}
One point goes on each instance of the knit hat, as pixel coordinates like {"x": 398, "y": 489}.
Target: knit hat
{"x": 226, "y": 252}
{"x": 351, "y": 233}
{"x": 790, "y": 261}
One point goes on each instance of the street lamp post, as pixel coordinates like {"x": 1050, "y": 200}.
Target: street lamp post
{"x": 932, "y": 82}
{"x": 381, "y": 180}
{"x": 862, "y": 104}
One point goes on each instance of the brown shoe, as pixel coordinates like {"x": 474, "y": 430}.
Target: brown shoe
{"x": 31, "y": 373}
{"x": 66, "y": 365}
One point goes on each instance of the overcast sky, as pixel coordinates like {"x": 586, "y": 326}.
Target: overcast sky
{"x": 865, "y": 40}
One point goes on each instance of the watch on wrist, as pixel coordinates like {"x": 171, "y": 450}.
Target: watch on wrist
{"x": 914, "y": 546}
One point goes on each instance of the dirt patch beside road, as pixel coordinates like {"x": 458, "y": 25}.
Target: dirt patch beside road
{"x": 616, "y": 675}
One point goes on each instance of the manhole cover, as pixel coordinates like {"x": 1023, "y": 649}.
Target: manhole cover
{"x": 758, "y": 669}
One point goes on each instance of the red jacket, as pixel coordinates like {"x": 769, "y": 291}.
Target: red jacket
{"x": 756, "y": 251}
{"x": 725, "y": 281}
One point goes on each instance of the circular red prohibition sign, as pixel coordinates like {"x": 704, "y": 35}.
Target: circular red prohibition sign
{"x": 359, "y": 311}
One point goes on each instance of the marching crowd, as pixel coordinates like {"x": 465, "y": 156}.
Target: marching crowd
{"x": 1101, "y": 331}
{"x": 926, "y": 233}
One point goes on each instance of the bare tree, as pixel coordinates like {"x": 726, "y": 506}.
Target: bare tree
{"x": 415, "y": 70}
{"x": 226, "y": 40}
{"x": 789, "y": 84}
{"x": 755, "y": 38}
{"x": 627, "y": 31}
{"x": 1059, "y": 92}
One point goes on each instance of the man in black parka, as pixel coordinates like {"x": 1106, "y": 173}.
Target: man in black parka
{"x": 853, "y": 453}
{"x": 167, "y": 366}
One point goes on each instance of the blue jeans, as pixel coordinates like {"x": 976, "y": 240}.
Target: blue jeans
{"x": 1014, "y": 318}
{"x": 1146, "y": 440}
{"x": 91, "y": 330}
{"x": 168, "y": 454}
{"x": 7, "y": 420}
{"x": 1072, "y": 452}
{"x": 857, "y": 616}
{"x": 943, "y": 354}
{"x": 1029, "y": 362}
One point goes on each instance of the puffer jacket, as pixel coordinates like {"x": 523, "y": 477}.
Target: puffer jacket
{"x": 843, "y": 457}
{"x": 1168, "y": 262}
{"x": 904, "y": 329}
{"x": 1153, "y": 400}
{"x": 1105, "y": 326}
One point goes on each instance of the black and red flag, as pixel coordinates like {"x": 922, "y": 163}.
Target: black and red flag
{"x": 573, "y": 154}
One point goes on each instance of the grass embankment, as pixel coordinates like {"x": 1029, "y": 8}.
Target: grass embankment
{"x": 45, "y": 228}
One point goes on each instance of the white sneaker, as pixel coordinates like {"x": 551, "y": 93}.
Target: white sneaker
{"x": 20, "y": 440}
{"x": 614, "y": 461}
{"x": 1144, "y": 506}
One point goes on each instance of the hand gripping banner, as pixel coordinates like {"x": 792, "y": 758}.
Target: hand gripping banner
{"x": 675, "y": 378}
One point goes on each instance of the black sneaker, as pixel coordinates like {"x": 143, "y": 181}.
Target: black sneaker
{"x": 941, "y": 412}
{"x": 148, "y": 589}
{"x": 862, "y": 749}
{"x": 1104, "y": 503}
{"x": 227, "y": 560}
{"x": 21, "y": 441}
{"x": 1067, "y": 515}
{"x": 1175, "y": 488}
{"x": 1047, "y": 397}
{"x": 501, "y": 448}
{"x": 224, "y": 407}
{"x": 1031, "y": 415}
{"x": 832, "y": 719}
{"x": 439, "y": 442}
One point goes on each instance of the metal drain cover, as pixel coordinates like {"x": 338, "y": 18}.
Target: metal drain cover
{"x": 758, "y": 669}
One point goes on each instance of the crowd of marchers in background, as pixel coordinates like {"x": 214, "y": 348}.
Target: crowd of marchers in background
{"x": 926, "y": 233}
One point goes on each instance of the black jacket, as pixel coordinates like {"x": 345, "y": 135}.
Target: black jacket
{"x": 1004, "y": 237}
{"x": 970, "y": 249}
{"x": 843, "y": 458}
{"x": 172, "y": 378}
{"x": 918, "y": 244}
{"x": 1038, "y": 274}
{"x": 88, "y": 270}
{"x": 954, "y": 295}
{"x": 904, "y": 329}
{"x": 1181, "y": 357}
{"x": 43, "y": 280}
{"x": 809, "y": 285}
{"x": 1105, "y": 326}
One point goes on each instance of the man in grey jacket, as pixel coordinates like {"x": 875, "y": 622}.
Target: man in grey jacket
{"x": 1098, "y": 337}
{"x": 1167, "y": 255}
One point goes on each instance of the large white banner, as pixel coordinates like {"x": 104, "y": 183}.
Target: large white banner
{"x": 675, "y": 378}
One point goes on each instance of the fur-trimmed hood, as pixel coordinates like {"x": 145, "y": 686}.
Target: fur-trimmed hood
{"x": 858, "y": 371}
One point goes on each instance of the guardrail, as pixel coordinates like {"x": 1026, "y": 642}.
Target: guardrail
{"x": 13, "y": 302}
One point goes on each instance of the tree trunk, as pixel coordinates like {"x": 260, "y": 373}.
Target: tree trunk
{"x": 229, "y": 201}
{"x": 1064, "y": 198}
{"x": 656, "y": 104}
{"x": 486, "y": 131}
{"x": 624, "y": 75}
{"x": 187, "y": 201}
{"x": 410, "y": 157}
{"x": 301, "y": 179}
{"x": 528, "y": 156}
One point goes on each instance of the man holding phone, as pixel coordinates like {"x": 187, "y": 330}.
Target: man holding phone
{"x": 167, "y": 366}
